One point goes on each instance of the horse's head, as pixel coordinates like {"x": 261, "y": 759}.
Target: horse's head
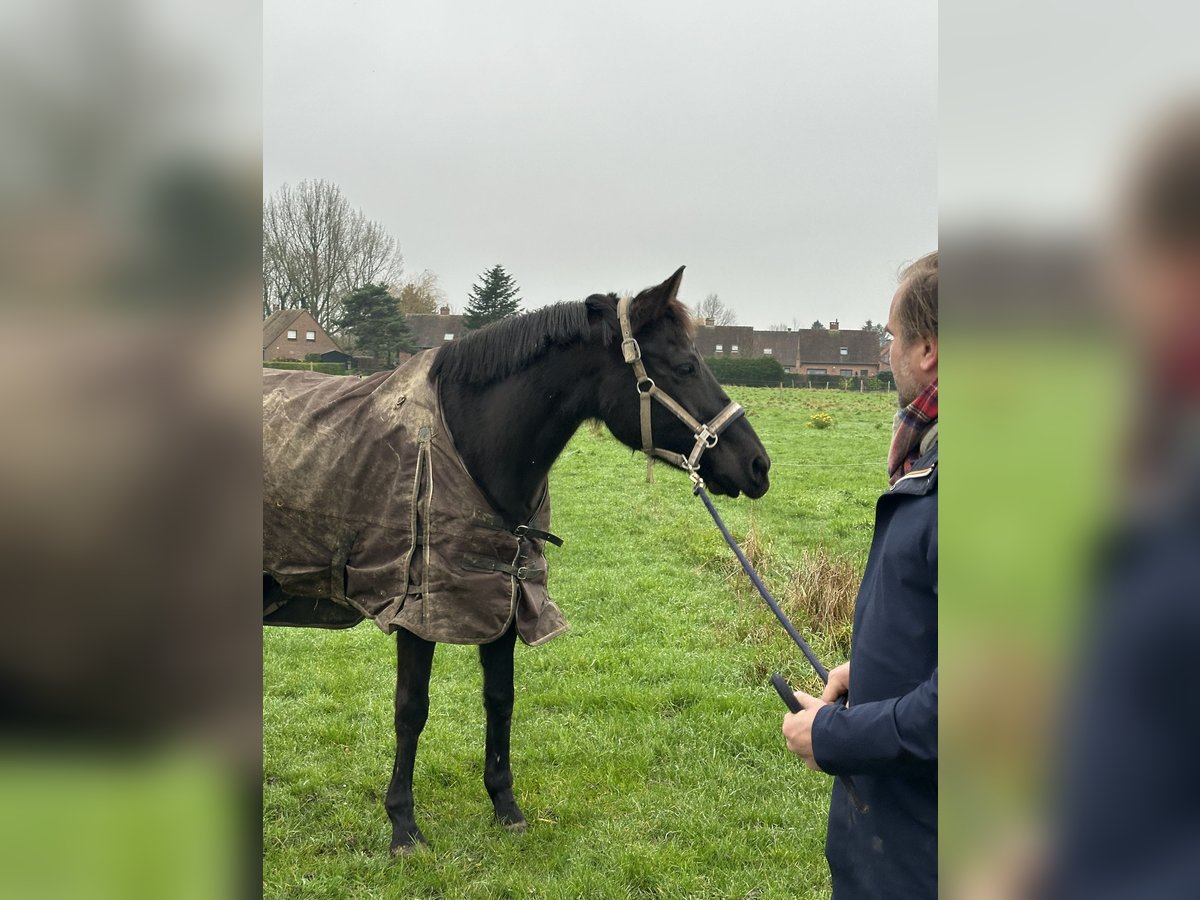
{"x": 662, "y": 327}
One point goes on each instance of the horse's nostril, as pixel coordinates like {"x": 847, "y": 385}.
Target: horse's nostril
{"x": 760, "y": 465}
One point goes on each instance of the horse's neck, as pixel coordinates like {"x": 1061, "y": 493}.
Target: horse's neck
{"x": 510, "y": 432}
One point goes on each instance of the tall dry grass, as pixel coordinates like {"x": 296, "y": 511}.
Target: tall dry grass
{"x": 816, "y": 589}
{"x": 821, "y": 592}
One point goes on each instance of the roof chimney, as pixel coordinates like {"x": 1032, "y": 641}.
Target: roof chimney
{"x": 833, "y": 325}
{"x": 444, "y": 310}
{"x": 710, "y": 322}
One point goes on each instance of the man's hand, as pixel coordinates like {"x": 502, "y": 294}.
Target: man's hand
{"x": 797, "y": 728}
{"x": 838, "y": 684}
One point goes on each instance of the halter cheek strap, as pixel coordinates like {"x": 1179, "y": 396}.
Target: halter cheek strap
{"x": 706, "y": 434}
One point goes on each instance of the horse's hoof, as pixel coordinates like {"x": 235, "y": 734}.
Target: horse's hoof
{"x": 410, "y": 844}
{"x": 514, "y": 827}
{"x": 406, "y": 850}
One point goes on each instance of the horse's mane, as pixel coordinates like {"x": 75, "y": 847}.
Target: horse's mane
{"x": 508, "y": 346}
{"x": 504, "y": 348}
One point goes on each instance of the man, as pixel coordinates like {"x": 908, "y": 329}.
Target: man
{"x": 885, "y": 737}
{"x": 1134, "y": 707}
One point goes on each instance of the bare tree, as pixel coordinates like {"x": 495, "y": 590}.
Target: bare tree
{"x": 419, "y": 294}
{"x": 713, "y": 307}
{"x": 317, "y": 249}
{"x": 785, "y": 326}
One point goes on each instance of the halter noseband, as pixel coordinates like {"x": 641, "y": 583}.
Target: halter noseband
{"x": 706, "y": 434}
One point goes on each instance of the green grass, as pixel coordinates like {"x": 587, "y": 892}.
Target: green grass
{"x": 646, "y": 745}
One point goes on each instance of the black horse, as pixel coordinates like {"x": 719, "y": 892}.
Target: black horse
{"x": 512, "y": 396}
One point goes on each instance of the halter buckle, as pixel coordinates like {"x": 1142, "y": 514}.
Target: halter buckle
{"x": 631, "y": 350}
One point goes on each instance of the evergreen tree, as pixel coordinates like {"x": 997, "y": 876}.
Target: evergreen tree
{"x": 877, "y": 329}
{"x": 817, "y": 326}
{"x": 494, "y": 298}
{"x": 373, "y": 317}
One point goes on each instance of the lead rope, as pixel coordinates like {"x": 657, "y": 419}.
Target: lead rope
{"x": 805, "y": 647}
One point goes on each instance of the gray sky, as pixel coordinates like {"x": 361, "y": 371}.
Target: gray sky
{"x": 785, "y": 152}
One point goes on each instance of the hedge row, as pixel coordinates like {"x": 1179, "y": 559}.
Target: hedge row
{"x": 328, "y": 368}
{"x": 746, "y": 370}
{"x": 764, "y": 371}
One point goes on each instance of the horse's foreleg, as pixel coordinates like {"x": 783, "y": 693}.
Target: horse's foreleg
{"x": 497, "y": 660}
{"x": 414, "y": 659}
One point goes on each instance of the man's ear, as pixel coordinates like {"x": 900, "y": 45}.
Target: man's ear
{"x": 652, "y": 303}
{"x": 929, "y": 356}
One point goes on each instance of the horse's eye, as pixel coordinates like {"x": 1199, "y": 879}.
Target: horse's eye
{"x": 685, "y": 370}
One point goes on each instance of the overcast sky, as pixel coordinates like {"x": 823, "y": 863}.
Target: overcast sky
{"x": 785, "y": 152}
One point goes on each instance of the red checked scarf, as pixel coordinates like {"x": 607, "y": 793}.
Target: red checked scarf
{"x": 911, "y": 424}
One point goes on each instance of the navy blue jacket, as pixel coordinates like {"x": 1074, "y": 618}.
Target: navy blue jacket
{"x": 887, "y": 736}
{"x": 1129, "y": 786}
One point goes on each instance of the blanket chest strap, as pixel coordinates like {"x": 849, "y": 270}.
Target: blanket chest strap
{"x": 473, "y": 563}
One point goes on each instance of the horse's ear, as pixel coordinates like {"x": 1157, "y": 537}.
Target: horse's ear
{"x": 652, "y": 303}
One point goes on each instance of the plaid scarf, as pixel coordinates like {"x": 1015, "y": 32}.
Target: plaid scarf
{"x": 911, "y": 424}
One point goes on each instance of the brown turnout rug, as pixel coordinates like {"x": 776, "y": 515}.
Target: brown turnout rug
{"x": 367, "y": 504}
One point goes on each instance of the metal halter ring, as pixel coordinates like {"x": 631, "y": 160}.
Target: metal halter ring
{"x": 647, "y": 380}
{"x": 710, "y": 439}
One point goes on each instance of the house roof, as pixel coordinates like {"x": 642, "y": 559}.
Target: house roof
{"x": 430, "y": 329}
{"x": 708, "y": 336}
{"x": 819, "y": 346}
{"x": 276, "y": 322}
{"x": 784, "y": 345}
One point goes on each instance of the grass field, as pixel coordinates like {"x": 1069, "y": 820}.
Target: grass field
{"x": 646, "y": 744}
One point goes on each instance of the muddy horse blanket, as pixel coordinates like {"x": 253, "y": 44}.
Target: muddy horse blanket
{"x": 367, "y": 503}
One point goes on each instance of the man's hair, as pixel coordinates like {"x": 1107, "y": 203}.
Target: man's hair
{"x": 917, "y": 310}
{"x": 1162, "y": 203}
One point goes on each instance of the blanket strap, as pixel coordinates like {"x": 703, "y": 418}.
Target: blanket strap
{"x": 487, "y": 520}
{"x": 530, "y": 531}
{"x": 474, "y": 563}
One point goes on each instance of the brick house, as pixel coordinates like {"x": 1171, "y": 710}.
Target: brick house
{"x": 734, "y": 341}
{"x": 833, "y": 351}
{"x": 781, "y": 345}
{"x": 293, "y": 334}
